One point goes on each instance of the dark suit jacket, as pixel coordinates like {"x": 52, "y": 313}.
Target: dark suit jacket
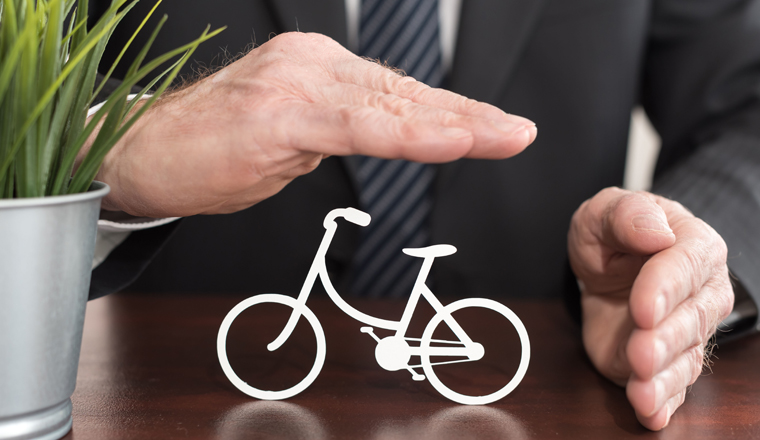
{"x": 576, "y": 68}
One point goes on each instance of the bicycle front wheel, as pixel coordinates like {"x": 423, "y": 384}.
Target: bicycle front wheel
{"x": 257, "y": 300}
{"x": 478, "y": 307}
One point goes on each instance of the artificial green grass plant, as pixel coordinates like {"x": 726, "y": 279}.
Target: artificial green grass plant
{"x": 48, "y": 69}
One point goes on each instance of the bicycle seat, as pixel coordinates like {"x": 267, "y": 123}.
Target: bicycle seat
{"x": 436, "y": 250}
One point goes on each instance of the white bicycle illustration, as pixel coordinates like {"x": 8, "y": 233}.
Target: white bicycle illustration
{"x": 394, "y": 352}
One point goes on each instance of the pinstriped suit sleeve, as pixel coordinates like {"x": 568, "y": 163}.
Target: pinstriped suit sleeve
{"x": 702, "y": 91}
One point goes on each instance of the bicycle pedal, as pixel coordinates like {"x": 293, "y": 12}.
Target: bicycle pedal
{"x": 418, "y": 377}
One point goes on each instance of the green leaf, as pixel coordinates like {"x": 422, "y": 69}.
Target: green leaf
{"x": 10, "y": 35}
{"x": 86, "y": 47}
{"x": 47, "y": 83}
{"x": 27, "y": 135}
{"x": 126, "y": 46}
{"x": 63, "y": 110}
{"x": 85, "y": 95}
{"x": 81, "y": 18}
{"x": 67, "y": 39}
{"x": 50, "y": 68}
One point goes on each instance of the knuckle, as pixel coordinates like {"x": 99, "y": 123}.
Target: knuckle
{"x": 643, "y": 196}
{"x": 719, "y": 244}
{"x": 721, "y": 297}
{"x": 725, "y": 302}
{"x": 468, "y": 105}
{"x": 679, "y": 334}
{"x": 711, "y": 245}
{"x": 676, "y": 207}
{"x": 406, "y": 85}
{"x": 318, "y": 38}
{"x": 448, "y": 119}
{"x": 283, "y": 39}
{"x": 408, "y": 131}
{"x": 281, "y": 42}
{"x": 462, "y": 104}
{"x": 393, "y": 104}
{"x": 347, "y": 116}
{"x": 296, "y": 39}
{"x": 682, "y": 398}
{"x": 704, "y": 318}
{"x": 686, "y": 268}
{"x": 579, "y": 223}
{"x": 377, "y": 100}
{"x": 612, "y": 200}
{"x": 578, "y": 214}
{"x": 696, "y": 359}
{"x": 612, "y": 192}
{"x": 670, "y": 289}
{"x": 286, "y": 47}
{"x": 693, "y": 264}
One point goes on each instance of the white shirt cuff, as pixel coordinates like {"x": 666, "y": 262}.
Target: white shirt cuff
{"x": 111, "y": 234}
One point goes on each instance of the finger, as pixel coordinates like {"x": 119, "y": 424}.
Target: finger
{"x": 353, "y": 130}
{"x": 337, "y": 62}
{"x": 692, "y": 323}
{"x": 492, "y": 139}
{"x": 661, "y": 418}
{"x": 611, "y": 234}
{"x": 674, "y": 274}
{"x": 649, "y": 397}
{"x": 371, "y": 75}
{"x": 633, "y": 223}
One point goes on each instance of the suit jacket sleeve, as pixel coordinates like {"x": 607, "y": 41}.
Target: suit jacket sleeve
{"x": 701, "y": 90}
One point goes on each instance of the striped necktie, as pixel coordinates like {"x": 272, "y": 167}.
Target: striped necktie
{"x": 396, "y": 193}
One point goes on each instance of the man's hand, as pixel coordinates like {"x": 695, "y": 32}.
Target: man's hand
{"x": 243, "y": 133}
{"x": 654, "y": 286}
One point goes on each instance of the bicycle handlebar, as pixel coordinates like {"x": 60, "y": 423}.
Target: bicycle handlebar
{"x": 357, "y": 217}
{"x": 352, "y": 215}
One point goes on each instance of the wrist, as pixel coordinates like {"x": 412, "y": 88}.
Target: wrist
{"x": 104, "y": 173}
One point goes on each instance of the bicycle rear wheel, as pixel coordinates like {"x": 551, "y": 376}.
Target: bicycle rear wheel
{"x": 270, "y": 298}
{"x": 474, "y": 304}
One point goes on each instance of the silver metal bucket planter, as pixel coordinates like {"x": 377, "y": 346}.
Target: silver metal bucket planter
{"x": 46, "y": 250}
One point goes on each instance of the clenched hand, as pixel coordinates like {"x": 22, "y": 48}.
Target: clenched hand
{"x": 654, "y": 286}
{"x": 241, "y": 134}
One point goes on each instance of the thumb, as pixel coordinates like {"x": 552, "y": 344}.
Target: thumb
{"x": 634, "y": 223}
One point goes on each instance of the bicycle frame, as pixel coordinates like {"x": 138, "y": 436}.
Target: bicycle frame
{"x": 318, "y": 268}
{"x": 392, "y": 352}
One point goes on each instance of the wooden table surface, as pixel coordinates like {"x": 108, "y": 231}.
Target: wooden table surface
{"x": 149, "y": 370}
